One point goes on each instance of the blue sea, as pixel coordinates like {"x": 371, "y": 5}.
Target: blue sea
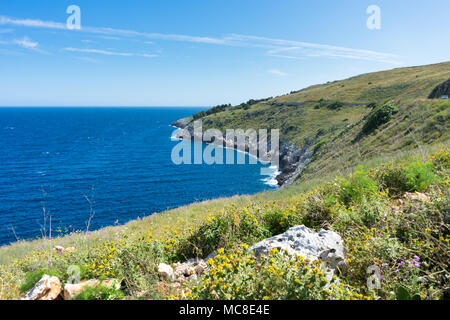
{"x": 114, "y": 163}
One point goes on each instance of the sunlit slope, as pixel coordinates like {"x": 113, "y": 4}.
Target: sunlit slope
{"x": 404, "y": 84}
{"x": 311, "y": 117}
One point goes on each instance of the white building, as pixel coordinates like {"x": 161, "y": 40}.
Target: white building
{"x": 444, "y": 97}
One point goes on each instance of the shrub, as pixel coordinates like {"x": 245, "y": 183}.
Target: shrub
{"x": 279, "y": 220}
{"x": 336, "y": 105}
{"x": 400, "y": 178}
{"x": 441, "y": 159}
{"x": 100, "y": 293}
{"x": 241, "y": 276}
{"x": 320, "y": 145}
{"x": 136, "y": 262}
{"x": 31, "y": 278}
{"x": 320, "y": 207}
{"x": 358, "y": 186}
{"x": 225, "y": 228}
{"x": 419, "y": 175}
{"x": 377, "y": 117}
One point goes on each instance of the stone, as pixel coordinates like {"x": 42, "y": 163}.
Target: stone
{"x": 418, "y": 196}
{"x": 326, "y": 246}
{"x": 193, "y": 278}
{"x": 189, "y": 268}
{"x": 48, "y": 288}
{"x": 70, "y": 250}
{"x": 59, "y": 249}
{"x": 165, "y": 271}
{"x": 201, "y": 267}
{"x": 111, "y": 283}
{"x": 189, "y": 271}
{"x": 71, "y": 291}
{"x": 441, "y": 90}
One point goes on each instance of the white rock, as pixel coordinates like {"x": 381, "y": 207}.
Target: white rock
{"x": 59, "y": 249}
{"x": 48, "y": 288}
{"x": 326, "y": 246}
{"x": 165, "y": 271}
{"x": 73, "y": 290}
{"x": 70, "y": 250}
{"x": 190, "y": 267}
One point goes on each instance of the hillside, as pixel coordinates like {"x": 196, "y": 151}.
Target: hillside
{"x": 325, "y": 121}
{"x": 377, "y": 177}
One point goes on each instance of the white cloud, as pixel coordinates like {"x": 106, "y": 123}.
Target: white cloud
{"x": 109, "y": 38}
{"x": 97, "y": 51}
{"x": 280, "y": 48}
{"x": 110, "y": 53}
{"x": 147, "y": 55}
{"x": 31, "y": 23}
{"x": 277, "y": 72}
{"x": 26, "y": 43}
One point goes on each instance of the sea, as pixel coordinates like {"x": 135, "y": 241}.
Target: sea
{"x": 86, "y": 168}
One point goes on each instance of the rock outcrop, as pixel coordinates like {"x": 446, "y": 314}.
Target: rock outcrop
{"x": 182, "y": 123}
{"x": 292, "y": 162}
{"x": 190, "y": 269}
{"x": 48, "y": 288}
{"x": 60, "y": 249}
{"x": 326, "y": 246}
{"x": 71, "y": 291}
{"x": 441, "y": 90}
{"x": 165, "y": 272}
{"x": 292, "y": 159}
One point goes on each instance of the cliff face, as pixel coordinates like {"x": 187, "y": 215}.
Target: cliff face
{"x": 293, "y": 161}
{"x": 441, "y": 90}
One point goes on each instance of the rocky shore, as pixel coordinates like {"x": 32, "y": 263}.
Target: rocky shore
{"x": 292, "y": 160}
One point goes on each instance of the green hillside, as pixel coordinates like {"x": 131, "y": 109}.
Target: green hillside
{"x": 331, "y": 117}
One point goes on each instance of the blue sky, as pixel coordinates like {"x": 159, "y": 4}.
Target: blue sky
{"x": 203, "y": 53}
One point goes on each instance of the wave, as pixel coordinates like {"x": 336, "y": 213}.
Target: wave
{"x": 271, "y": 179}
{"x": 174, "y": 136}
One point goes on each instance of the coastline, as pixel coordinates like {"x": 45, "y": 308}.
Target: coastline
{"x": 292, "y": 159}
{"x": 270, "y": 180}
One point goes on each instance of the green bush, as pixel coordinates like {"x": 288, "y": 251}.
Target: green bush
{"x": 100, "y": 293}
{"x": 275, "y": 276}
{"x": 320, "y": 207}
{"x": 336, "y": 105}
{"x": 401, "y": 178}
{"x": 359, "y": 186}
{"x": 225, "y": 228}
{"x": 279, "y": 220}
{"x": 32, "y": 277}
{"x": 320, "y": 145}
{"x": 377, "y": 117}
{"x": 419, "y": 176}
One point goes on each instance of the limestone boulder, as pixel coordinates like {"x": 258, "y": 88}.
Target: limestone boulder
{"x": 48, "y": 288}
{"x": 165, "y": 272}
{"x": 71, "y": 291}
{"x": 326, "y": 246}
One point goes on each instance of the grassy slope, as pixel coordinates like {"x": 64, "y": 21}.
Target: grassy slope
{"x": 420, "y": 127}
{"x": 420, "y": 121}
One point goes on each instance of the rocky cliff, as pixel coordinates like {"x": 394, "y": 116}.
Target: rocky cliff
{"x": 292, "y": 160}
{"x": 441, "y": 90}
